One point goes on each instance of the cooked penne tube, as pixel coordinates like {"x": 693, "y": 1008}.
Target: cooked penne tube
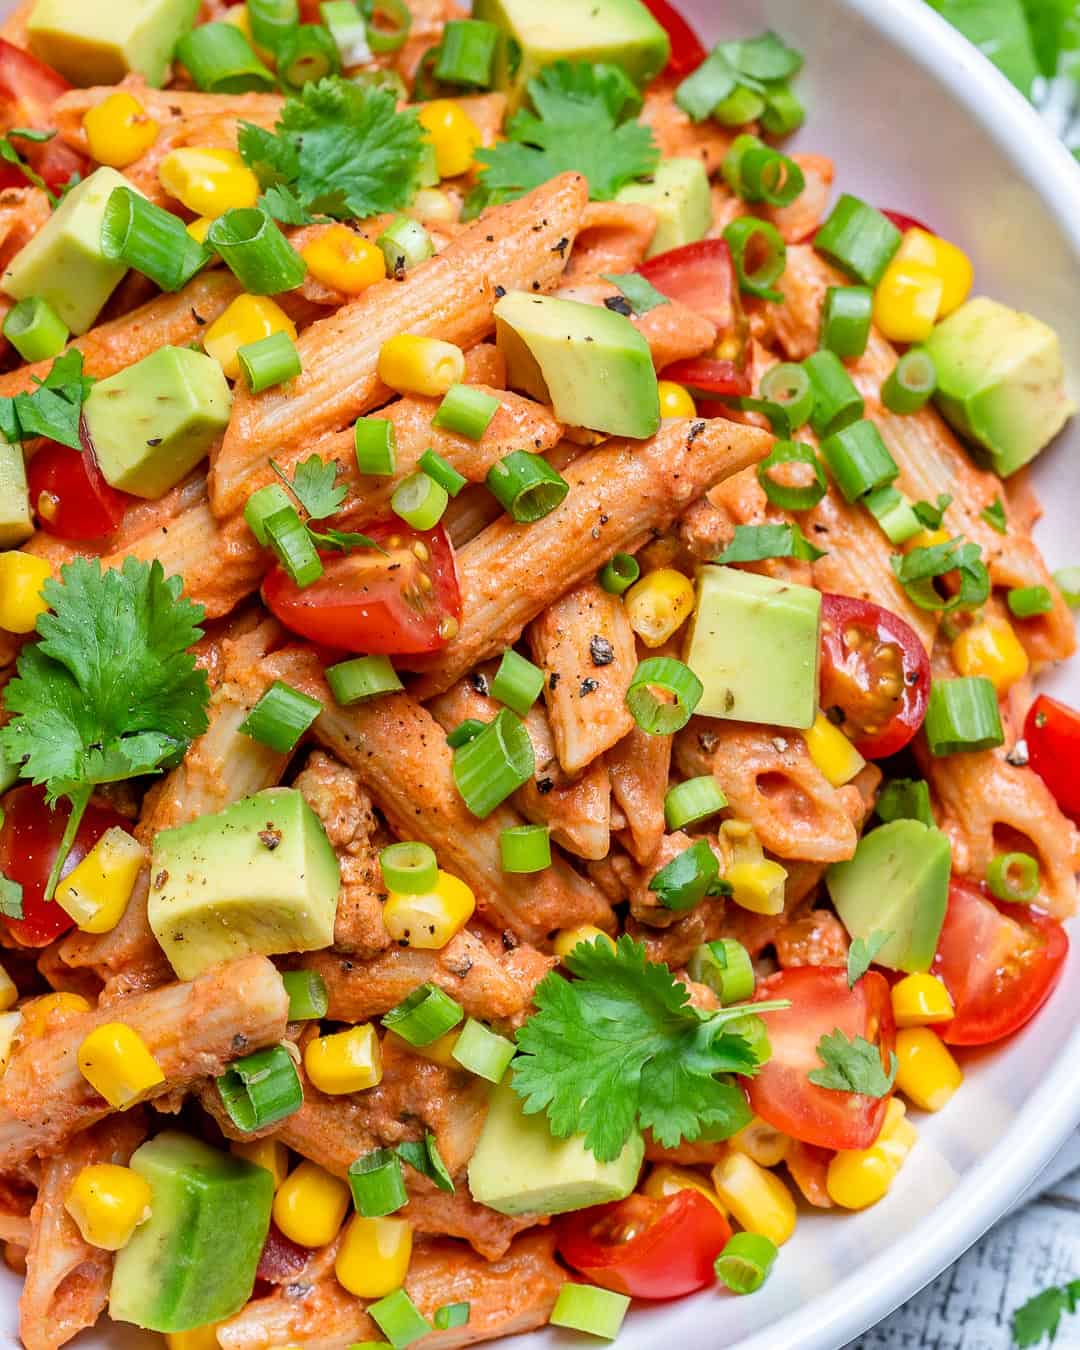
{"x": 638, "y": 766}
{"x": 614, "y": 237}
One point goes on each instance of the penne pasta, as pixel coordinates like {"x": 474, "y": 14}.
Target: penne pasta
{"x": 168, "y": 107}
{"x": 638, "y": 766}
{"x": 614, "y": 237}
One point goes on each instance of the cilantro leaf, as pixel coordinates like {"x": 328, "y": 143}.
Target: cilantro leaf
{"x": 753, "y": 543}
{"x": 994, "y": 515}
{"x": 852, "y": 1066}
{"x": 1041, "y": 1316}
{"x": 641, "y": 293}
{"x": 424, "y": 1156}
{"x": 343, "y": 540}
{"x": 11, "y": 898}
{"x": 930, "y": 515}
{"x": 53, "y": 409}
{"x": 689, "y": 877}
{"x": 314, "y": 485}
{"x": 862, "y": 953}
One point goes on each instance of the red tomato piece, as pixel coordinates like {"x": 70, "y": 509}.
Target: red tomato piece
{"x": 398, "y": 603}
{"x": 904, "y": 223}
{"x": 29, "y": 842}
{"x": 645, "y": 1247}
{"x": 721, "y": 379}
{"x": 700, "y": 275}
{"x": 28, "y": 90}
{"x": 687, "y": 52}
{"x": 281, "y": 1259}
{"x": 821, "y": 1003}
{"x": 999, "y": 962}
{"x": 1052, "y": 733}
{"x": 875, "y": 674}
{"x": 70, "y": 497}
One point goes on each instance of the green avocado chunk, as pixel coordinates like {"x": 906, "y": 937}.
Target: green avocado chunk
{"x": 754, "y": 644}
{"x": 1001, "y": 381}
{"x": 260, "y": 876}
{"x": 194, "y": 1260}
{"x": 898, "y": 883}
{"x": 519, "y": 1167}
{"x": 151, "y": 423}
{"x": 591, "y": 364}
{"x": 101, "y": 41}
{"x": 16, "y": 523}
{"x": 679, "y": 194}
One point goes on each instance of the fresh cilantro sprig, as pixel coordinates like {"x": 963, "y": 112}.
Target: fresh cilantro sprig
{"x": 53, "y": 409}
{"x": 621, "y": 1049}
{"x": 861, "y": 955}
{"x": 852, "y": 1066}
{"x": 111, "y": 690}
{"x": 314, "y": 485}
{"x": 1041, "y": 1316}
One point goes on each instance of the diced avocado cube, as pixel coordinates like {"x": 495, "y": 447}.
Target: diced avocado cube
{"x": 151, "y": 423}
{"x": 102, "y": 41}
{"x": 621, "y": 32}
{"x": 1001, "y": 381}
{"x": 591, "y": 364}
{"x": 194, "y": 1259}
{"x": 519, "y": 1167}
{"x": 679, "y": 194}
{"x": 754, "y": 644}
{"x": 16, "y": 523}
{"x": 898, "y": 883}
{"x": 63, "y": 263}
{"x": 259, "y": 876}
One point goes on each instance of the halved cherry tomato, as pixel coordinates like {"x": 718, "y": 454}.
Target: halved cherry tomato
{"x": 821, "y": 1003}
{"x": 281, "y": 1259}
{"x": 721, "y": 379}
{"x": 875, "y": 675}
{"x": 999, "y": 962}
{"x": 29, "y": 841}
{"x": 1052, "y": 733}
{"x": 646, "y": 1247}
{"x": 398, "y": 603}
{"x": 700, "y": 275}
{"x": 70, "y": 497}
{"x": 28, "y": 90}
{"x": 903, "y": 222}
{"x": 687, "y": 52}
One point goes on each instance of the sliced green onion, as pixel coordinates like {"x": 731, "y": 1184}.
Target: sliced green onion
{"x": 1013, "y": 877}
{"x": 712, "y": 82}
{"x": 688, "y": 878}
{"x": 858, "y": 239}
{"x": 742, "y": 105}
{"x": 765, "y": 57}
{"x": 682, "y": 688}
{"x": 757, "y": 173}
{"x": 452, "y": 1315}
{"x": 346, "y": 26}
{"x": 442, "y": 472}
{"x": 845, "y": 319}
{"x": 288, "y": 536}
{"x": 255, "y": 250}
{"x": 467, "y": 52}
{"x": 859, "y": 459}
{"x": 155, "y": 242}
{"x": 1067, "y": 580}
{"x": 396, "y": 1315}
{"x": 526, "y": 486}
{"x": 963, "y": 716}
{"x": 583, "y": 1307}
{"x": 419, "y": 501}
{"x": 695, "y": 799}
{"x": 517, "y": 683}
{"x": 405, "y": 244}
{"x": 792, "y": 498}
{"x": 620, "y": 573}
{"x": 1027, "y": 601}
{"x": 260, "y": 1089}
{"x": 905, "y": 799}
{"x": 308, "y": 998}
{"x": 525, "y": 848}
{"x": 745, "y": 1262}
{"x": 466, "y": 411}
{"x": 494, "y": 764}
{"x": 261, "y": 505}
{"x": 392, "y": 29}
{"x": 837, "y": 403}
{"x": 220, "y": 60}
{"x": 995, "y": 517}
{"x": 362, "y": 677}
{"x": 35, "y": 329}
{"x": 377, "y": 1182}
{"x": 376, "y": 446}
{"x": 911, "y": 382}
{"x": 280, "y": 717}
{"x": 305, "y": 54}
{"x": 269, "y": 361}
{"x": 917, "y": 569}
{"x": 789, "y": 385}
{"x": 465, "y": 732}
{"x": 424, "y": 1016}
{"x": 725, "y": 966}
{"x": 894, "y": 513}
{"x": 409, "y": 867}
{"x": 784, "y": 113}
{"x": 746, "y": 234}
{"x": 270, "y": 20}
{"x": 483, "y": 1052}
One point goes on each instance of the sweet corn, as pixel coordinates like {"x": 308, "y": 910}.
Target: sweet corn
{"x": 108, "y": 1203}
{"x": 927, "y": 539}
{"x": 453, "y": 133}
{"x": 428, "y": 921}
{"x": 992, "y": 649}
{"x": 757, "y": 1198}
{"x": 907, "y": 301}
{"x": 247, "y": 319}
{"x": 439, "y": 1052}
{"x": 9, "y": 994}
{"x": 40, "y": 1014}
{"x": 373, "y": 1258}
{"x": 115, "y": 1061}
{"x": 199, "y": 229}
{"x": 659, "y": 604}
{"x": 757, "y": 886}
{"x": 96, "y": 892}
{"x": 344, "y": 260}
{"x": 420, "y": 365}
{"x": 898, "y": 1136}
{"x": 435, "y": 206}
{"x": 762, "y": 1142}
{"x": 858, "y": 1178}
{"x": 348, "y": 1061}
{"x": 270, "y": 1154}
{"x": 118, "y": 130}
{"x": 832, "y": 752}
{"x": 10, "y": 1024}
{"x": 921, "y": 1001}
{"x": 675, "y": 401}
{"x": 310, "y": 1205}
{"x": 566, "y": 939}
{"x": 668, "y": 1179}
{"x": 948, "y": 262}
{"x": 927, "y": 1074}
{"x": 21, "y": 579}
{"x": 208, "y": 181}
{"x": 199, "y": 1338}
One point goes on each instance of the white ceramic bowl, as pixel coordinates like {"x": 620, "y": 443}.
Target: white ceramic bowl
{"x": 918, "y": 121}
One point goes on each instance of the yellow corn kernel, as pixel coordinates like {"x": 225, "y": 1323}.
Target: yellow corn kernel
{"x": 566, "y": 939}
{"x": 927, "y": 539}
{"x": 115, "y": 1061}
{"x": 832, "y": 752}
{"x": 40, "y": 1014}
{"x": 374, "y": 1255}
{"x": 992, "y": 649}
{"x": 659, "y": 604}
{"x": 118, "y": 130}
{"x": 199, "y": 1338}
{"x": 9, "y": 994}
{"x": 453, "y": 133}
{"x": 762, "y": 1142}
{"x": 208, "y": 181}
{"x": 429, "y": 920}
{"x": 926, "y": 1074}
{"x": 907, "y": 301}
{"x": 757, "y": 886}
{"x": 10, "y": 1024}
{"x": 21, "y": 579}
{"x": 947, "y": 261}
{"x": 669, "y": 1179}
{"x": 434, "y": 205}
{"x": 675, "y": 401}
{"x": 420, "y": 365}
{"x": 898, "y": 1136}
{"x": 921, "y": 1001}
{"x": 310, "y": 1205}
{"x": 757, "y": 1198}
{"x": 247, "y": 319}
{"x": 857, "y": 1178}
{"x": 348, "y": 1061}
{"x": 96, "y": 892}
{"x": 199, "y": 229}
{"x": 270, "y": 1154}
{"x": 729, "y": 348}
{"x": 108, "y": 1203}
{"x": 439, "y": 1052}
{"x": 345, "y": 260}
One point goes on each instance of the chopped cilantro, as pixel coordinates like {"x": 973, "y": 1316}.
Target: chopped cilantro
{"x": 11, "y": 898}
{"x": 929, "y": 515}
{"x": 753, "y": 543}
{"x": 862, "y": 953}
{"x": 425, "y": 1157}
{"x": 852, "y": 1066}
{"x": 1041, "y": 1316}
{"x": 689, "y": 877}
{"x": 53, "y": 409}
{"x": 994, "y": 515}
{"x": 314, "y": 485}
{"x": 641, "y": 294}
